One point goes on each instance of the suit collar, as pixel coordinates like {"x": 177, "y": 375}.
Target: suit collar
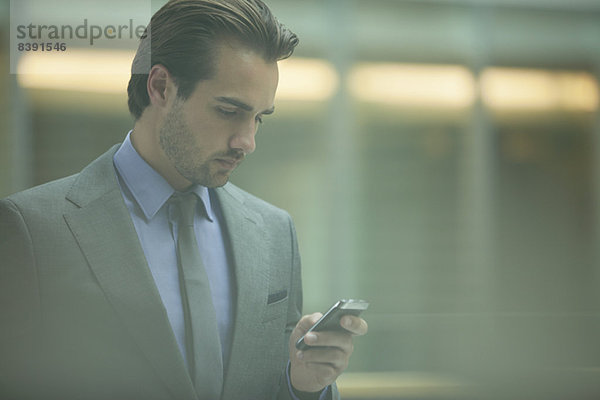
{"x": 95, "y": 180}
{"x": 245, "y": 229}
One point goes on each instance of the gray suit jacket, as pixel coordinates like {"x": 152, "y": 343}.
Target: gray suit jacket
{"x": 81, "y": 317}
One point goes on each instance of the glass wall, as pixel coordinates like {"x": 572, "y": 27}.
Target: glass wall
{"x": 439, "y": 158}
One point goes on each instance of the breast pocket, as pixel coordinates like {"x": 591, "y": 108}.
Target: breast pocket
{"x": 276, "y": 305}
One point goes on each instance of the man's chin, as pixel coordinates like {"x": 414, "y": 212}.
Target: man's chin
{"x": 216, "y": 181}
{"x": 216, "y": 185}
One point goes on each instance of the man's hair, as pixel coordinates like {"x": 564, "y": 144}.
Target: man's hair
{"x": 184, "y": 36}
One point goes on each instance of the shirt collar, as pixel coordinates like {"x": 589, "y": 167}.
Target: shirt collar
{"x": 149, "y": 189}
{"x": 202, "y": 192}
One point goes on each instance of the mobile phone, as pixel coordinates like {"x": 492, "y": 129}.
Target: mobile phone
{"x": 330, "y": 321}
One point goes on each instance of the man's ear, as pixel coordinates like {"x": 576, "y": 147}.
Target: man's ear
{"x": 159, "y": 85}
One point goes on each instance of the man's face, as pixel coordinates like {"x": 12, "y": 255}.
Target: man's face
{"x": 206, "y": 136}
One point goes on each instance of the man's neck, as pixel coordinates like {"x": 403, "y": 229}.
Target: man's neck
{"x": 146, "y": 143}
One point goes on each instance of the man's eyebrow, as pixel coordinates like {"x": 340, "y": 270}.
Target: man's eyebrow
{"x": 242, "y": 105}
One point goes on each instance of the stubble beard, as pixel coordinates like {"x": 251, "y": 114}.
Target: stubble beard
{"x": 180, "y": 147}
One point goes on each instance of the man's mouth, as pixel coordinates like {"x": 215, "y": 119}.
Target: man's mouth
{"x": 228, "y": 163}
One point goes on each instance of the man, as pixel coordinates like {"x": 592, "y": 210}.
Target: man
{"x": 147, "y": 275}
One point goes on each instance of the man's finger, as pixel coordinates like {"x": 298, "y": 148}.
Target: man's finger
{"x": 335, "y": 357}
{"x": 307, "y": 321}
{"x": 355, "y": 325}
{"x": 341, "y": 340}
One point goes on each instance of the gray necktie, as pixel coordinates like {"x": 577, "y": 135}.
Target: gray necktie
{"x": 203, "y": 348}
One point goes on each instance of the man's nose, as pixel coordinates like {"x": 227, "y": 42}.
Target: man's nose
{"x": 244, "y": 137}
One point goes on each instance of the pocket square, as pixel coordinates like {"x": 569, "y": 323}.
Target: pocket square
{"x": 275, "y": 297}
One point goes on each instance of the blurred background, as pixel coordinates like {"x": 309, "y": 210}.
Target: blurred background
{"x": 440, "y": 158}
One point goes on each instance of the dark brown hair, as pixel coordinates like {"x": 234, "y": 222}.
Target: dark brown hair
{"x": 184, "y": 35}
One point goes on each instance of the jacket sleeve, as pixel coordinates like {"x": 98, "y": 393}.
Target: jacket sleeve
{"x": 20, "y": 310}
{"x": 294, "y": 314}
{"x": 19, "y": 299}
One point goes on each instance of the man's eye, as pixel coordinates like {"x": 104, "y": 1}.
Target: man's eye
{"x": 259, "y": 119}
{"x": 227, "y": 113}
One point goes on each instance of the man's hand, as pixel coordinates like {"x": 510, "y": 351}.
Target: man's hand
{"x": 315, "y": 368}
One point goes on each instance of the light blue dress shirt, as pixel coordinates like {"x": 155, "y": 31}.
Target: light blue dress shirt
{"x": 146, "y": 194}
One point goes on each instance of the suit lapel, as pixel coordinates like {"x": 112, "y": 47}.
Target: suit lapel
{"x": 246, "y": 235}
{"x": 106, "y": 235}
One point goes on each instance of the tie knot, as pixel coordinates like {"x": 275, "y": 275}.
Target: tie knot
{"x": 185, "y": 203}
